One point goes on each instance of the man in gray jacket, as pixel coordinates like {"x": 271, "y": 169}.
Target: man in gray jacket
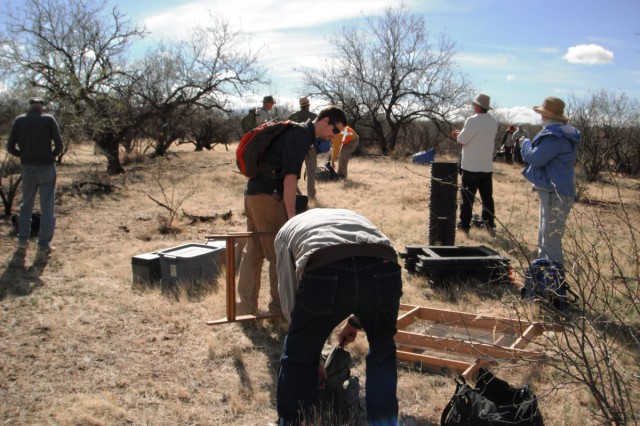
{"x": 31, "y": 140}
{"x": 333, "y": 263}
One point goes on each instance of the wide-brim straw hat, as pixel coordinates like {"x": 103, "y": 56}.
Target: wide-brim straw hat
{"x": 483, "y": 101}
{"x": 552, "y": 108}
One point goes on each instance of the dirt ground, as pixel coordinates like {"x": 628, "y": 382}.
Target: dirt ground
{"x": 81, "y": 344}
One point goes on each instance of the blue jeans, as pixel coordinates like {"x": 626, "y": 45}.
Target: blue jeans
{"x": 554, "y": 210}
{"x": 473, "y": 182}
{"x": 38, "y": 178}
{"x": 368, "y": 287}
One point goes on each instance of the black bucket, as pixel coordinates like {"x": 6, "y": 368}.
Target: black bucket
{"x": 443, "y": 204}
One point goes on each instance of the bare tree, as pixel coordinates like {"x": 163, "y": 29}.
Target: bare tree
{"x": 72, "y": 52}
{"x": 209, "y": 128}
{"x": 608, "y": 124}
{"x": 390, "y": 73}
{"x": 201, "y": 72}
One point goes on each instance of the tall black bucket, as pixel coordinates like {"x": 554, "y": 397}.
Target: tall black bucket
{"x": 443, "y": 204}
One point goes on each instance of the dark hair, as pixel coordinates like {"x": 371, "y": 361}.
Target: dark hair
{"x": 335, "y": 114}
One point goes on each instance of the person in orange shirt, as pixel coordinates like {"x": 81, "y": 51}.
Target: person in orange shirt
{"x": 342, "y": 147}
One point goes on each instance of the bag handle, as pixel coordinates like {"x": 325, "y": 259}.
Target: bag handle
{"x": 460, "y": 381}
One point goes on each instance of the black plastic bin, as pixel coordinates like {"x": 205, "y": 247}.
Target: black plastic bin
{"x": 443, "y": 203}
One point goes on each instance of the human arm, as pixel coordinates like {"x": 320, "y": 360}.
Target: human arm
{"x": 540, "y": 151}
{"x": 290, "y": 184}
{"x": 58, "y": 145}
{"x": 349, "y": 331}
{"x": 12, "y": 143}
{"x": 467, "y": 133}
{"x": 287, "y": 281}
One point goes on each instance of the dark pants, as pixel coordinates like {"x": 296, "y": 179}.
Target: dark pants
{"x": 517, "y": 155}
{"x": 368, "y": 287}
{"x": 473, "y": 182}
{"x": 508, "y": 154}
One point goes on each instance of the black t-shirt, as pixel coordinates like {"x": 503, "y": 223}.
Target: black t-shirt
{"x": 286, "y": 153}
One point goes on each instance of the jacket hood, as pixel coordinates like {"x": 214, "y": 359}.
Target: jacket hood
{"x": 564, "y": 130}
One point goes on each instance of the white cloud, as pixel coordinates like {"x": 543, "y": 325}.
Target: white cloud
{"x": 519, "y": 114}
{"x": 511, "y": 77}
{"x": 590, "y": 54}
{"x": 257, "y": 17}
{"x": 485, "y": 61}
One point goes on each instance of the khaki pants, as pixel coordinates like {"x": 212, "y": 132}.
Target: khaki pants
{"x": 345, "y": 155}
{"x": 311, "y": 163}
{"x": 265, "y": 213}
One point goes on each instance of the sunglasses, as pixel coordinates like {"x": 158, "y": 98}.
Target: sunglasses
{"x": 335, "y": 128}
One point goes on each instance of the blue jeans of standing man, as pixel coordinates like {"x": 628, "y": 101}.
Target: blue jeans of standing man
{"x": 554, "y": 210}
{"x": 38, "y": 178}
{"x": 368, "y": 287}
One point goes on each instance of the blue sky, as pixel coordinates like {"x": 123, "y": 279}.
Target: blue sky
{"x": 518, "y": 52}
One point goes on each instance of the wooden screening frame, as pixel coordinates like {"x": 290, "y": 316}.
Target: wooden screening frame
{"x": 465, "y": 343}
{"x": 461, "y": 341}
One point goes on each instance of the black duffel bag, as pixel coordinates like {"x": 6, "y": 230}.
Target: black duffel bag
{"x": 492, "y": 402}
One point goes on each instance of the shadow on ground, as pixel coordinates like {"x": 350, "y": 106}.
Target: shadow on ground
{"x": 19, "y": 280}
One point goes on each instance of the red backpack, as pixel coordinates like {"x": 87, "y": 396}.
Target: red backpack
{"x": 253, "y": 146}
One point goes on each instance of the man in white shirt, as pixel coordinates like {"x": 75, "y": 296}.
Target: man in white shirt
{"x": 477, "y": 138}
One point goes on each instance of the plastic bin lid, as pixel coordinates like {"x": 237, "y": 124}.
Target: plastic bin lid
{"x": 188, "y": 250}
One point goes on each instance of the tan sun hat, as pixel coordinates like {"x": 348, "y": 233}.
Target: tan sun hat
{"x": 483, "y": 101}
{"x": 552, "y": 108}
{"x": 304, "y": 101}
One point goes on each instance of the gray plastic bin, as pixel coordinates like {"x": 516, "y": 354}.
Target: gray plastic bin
{"x": 190, "y": 263}
{"x": 146, "y": 268}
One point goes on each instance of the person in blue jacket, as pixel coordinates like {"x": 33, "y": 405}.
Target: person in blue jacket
{"x": 550, "y": 159}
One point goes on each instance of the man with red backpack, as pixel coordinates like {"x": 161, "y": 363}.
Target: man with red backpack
{"x": 270, "y": 200}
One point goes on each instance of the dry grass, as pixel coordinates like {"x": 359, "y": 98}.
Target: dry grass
{"x": 87, "y": 347}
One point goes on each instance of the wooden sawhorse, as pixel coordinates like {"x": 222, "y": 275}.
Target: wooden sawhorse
{"x": 230, "y": 261}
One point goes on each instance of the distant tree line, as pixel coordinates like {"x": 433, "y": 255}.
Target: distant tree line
{"x": 399, "y": 85}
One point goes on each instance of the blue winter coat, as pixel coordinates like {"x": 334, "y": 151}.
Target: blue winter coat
{"x": 551, "y": 157}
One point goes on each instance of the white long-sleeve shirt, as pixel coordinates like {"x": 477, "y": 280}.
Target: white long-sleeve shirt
{"x": 316, "y": 229}
{"x": 478, "y": 142}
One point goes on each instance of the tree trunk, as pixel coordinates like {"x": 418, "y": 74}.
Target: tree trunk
{"x": 114, "y": 167}
{"x": 111, "y": 149}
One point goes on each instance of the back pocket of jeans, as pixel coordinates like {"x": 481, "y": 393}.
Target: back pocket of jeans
{"x": 317, "y": 293}
{"x": 388, "y": 287}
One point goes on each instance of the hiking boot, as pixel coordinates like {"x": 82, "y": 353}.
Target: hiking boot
{"x": 45, "y": 250}
{"x": 490, "y": 229}
{"x": 463, "y": 228}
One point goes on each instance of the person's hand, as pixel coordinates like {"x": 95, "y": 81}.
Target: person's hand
{"x": 347, "y": 335}
{"x": 455, "y": 133}
{"x": 322, "y": 376}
